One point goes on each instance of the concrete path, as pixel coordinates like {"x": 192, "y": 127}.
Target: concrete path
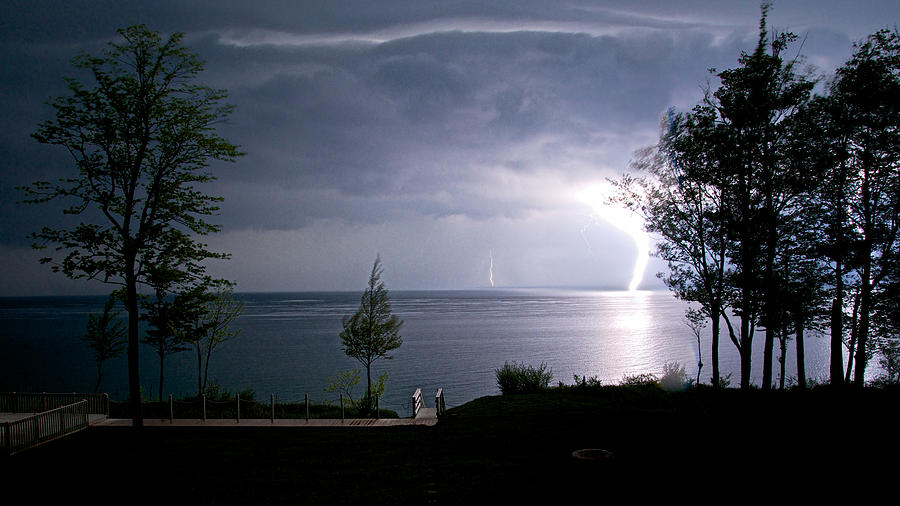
{"x": 265, "y": 422}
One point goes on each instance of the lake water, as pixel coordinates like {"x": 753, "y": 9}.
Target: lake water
{"x": 290, "y": 345}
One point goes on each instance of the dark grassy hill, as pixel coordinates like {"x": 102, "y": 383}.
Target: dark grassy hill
{"x": 696, "y": 447}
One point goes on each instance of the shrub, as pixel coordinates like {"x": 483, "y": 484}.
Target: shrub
{"x": 640, "y": 380}
{"x": 343, "y": 383}
{"x": 674, "y": 378}
{"x": 585, "y": 382}
{"x": 518, "y": 378}
{"x": 217, "y": 393}
{"x": 725, "y": 381}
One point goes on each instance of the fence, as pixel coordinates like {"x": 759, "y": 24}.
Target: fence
{"x": 19, "y": 402}
{"x": 31, "y": 431}
{"x": 236, "y": 408}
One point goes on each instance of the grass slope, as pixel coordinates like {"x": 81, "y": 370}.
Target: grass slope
{"x": 698, "y": 446}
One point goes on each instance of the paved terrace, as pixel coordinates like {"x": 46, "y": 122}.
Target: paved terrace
{"x": 425, "y": 418}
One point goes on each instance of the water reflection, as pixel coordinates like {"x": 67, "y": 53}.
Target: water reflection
{"x": 626, "y": 344}
{"x": 290, "y": 343}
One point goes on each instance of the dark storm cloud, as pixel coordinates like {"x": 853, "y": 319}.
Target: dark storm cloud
{"x": 411, "y": 117}
{"x": 431, "y": 131}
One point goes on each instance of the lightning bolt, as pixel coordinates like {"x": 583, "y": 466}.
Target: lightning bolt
{"x": 491, "y": 271}
{"x": 591, "y": 220}
{"x": 640, "y": 263}
{"x": 622, "y": 219}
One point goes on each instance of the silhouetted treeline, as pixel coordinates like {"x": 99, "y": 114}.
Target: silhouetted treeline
{"x": 778, "y": 205}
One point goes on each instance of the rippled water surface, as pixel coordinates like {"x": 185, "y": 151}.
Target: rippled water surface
{"x": 289, "y": 344}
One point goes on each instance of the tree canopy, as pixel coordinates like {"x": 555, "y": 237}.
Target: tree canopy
{"x": 779, "y": 207}
{"x": 373, "y": 331}
{"x": 141, "y": 134}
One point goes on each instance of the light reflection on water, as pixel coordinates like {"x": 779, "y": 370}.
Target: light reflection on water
{"x": 290, "y": 346}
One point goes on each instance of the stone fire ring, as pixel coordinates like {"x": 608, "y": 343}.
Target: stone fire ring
{"x": 592, "y": 454}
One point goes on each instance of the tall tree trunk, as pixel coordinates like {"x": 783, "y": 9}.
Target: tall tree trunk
{"x": 715, "y": 347}
{"x": 161, "y": 346}
{"x": 868, "y": 230}
{"x": 859, "y": 376}
{"x": 161, "y": 373}
{"x": 206, "y": 365}
{"x": 715, "y": 354}
{"x": 368, "y": 384}
{"x": 837, "y": 326}
{"x": 771, "y": 306}
{"x": 134, "y": 375}
{"x": 854, "y": 331}
{"x": 801, "y": 356}
{"x": 782, "y": 341}
{"x": 768, "y": 351}
{"x": 746, "y": 352}
{"x": 199, "y": 371}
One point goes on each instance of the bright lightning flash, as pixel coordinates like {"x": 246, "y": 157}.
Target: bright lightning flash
{"x": 597, "y": 197}
{"x": 491, "y": 272}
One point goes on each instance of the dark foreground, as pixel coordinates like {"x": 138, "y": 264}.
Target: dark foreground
{"x": 697, "y": 447}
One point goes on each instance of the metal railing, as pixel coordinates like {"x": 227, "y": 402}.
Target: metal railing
{"x": 31, "y": 431}
{"x": 22, "y": 402}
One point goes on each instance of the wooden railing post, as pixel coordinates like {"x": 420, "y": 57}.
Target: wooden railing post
{"x": 203, "y": 399}
{"x": 35, "y": 430}
{"x": 417, "y": 401}
{"x": 238, "y": 398}
{"x": 171, "y": 410}
{"x": 306, "y": 401}
{"x": 342, "y": 408}
{"x": 273, "y": 407}
{"x": 439, "y": 402}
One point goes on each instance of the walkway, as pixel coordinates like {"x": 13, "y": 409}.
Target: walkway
{"x": 266, "y": 422}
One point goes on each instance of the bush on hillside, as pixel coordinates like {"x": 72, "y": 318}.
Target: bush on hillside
{"x": 518, "y": 378}
{"x": 674, "y": 378}
{"x": 640, "y": 380}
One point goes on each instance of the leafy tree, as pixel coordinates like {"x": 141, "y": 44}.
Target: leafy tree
{"x": 206, "y": 315}
{"x": 696, "y": 321}
{"x": 106, "y": 336}
{"x": 141, "y": 134}
{"x": 681, "y": 205}
{"x": 373, "y": 331}
{"x": 887, "y": 324}
{"x": 830, "y": 236}
{"x": 754, "y": 104}
{"x": 723, "y": 195}
{"x": 165, "y": 317}
{"x": 866, "y": 122}
{"x": 345, "y": 383}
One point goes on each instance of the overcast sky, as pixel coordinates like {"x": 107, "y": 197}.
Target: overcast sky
{"x": 464, "y": 142}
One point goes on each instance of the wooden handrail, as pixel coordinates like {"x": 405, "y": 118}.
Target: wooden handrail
{"x": 439, "y": 407}
{"x": 28, "y": 402}
{"x": 31, "y": 431}
{"x": 418, "y": 402}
